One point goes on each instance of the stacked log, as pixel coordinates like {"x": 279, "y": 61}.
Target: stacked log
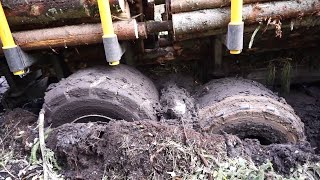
{"x": 178, "y": 6}
{"x": 37, "y": 12}
{"x": 84, "y": 34}
{"x": 208, "y": 21}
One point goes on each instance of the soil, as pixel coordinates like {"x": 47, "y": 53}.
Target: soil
{"x": 133, "y": 150}
{"x": 305, "y": 100}
{"x": 284, "y": 157}
{"x": 141, "y": 150}
{"x": 17, "y": 135}
{"x": 178, "y": 105}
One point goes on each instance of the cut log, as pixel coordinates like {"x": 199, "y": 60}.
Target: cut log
{"x": 304, "y": 22}
{"x": 84, "y": 34}
{"x": 34, "y": 12}
{"x": 203, "y": 21}
{"x": 75, "y": 35}
{"x": 193, "y": 5}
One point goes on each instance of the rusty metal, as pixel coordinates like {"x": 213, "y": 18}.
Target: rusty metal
{"x": 194, "y": 5}
{"x": 22, "y": 12}
{"x": 158, "y": 26}
{"x": 207, "y": 21}
{"x": 73, "y": 35}
{"x": 142, "y": 30}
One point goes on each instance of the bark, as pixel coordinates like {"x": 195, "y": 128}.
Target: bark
{"x": 193, "y": 5}
{"x": 305, "y": 22}
{"x": 204, "y": 21}
{"x": 74, "y": 35}
{"x": 33, "y": 12}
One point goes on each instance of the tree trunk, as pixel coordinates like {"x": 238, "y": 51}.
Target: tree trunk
{"x": 75, "y": 35}
{"x": 203, "y": 21}
{"x": 37, "y": 13}
{"x": 193, "y": 5}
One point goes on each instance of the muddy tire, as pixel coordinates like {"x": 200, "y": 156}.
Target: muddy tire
{"x": 101, "y": 94}
{"x": 249, "y": 110}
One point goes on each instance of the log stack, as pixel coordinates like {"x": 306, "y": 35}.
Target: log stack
{"x": 199, "y": 18}
{"x": 32, "y": 14}
{"x": 190, "y": 19}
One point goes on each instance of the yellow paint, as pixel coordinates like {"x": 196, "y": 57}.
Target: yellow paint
{"x": 235, "y": 51}
{"x": 5, "y": 32}
{"x": 236, "y": 11}
{"x": 18, "y": 73}
{"x": 116, "y": 63}
{"x": 106, "y": 18}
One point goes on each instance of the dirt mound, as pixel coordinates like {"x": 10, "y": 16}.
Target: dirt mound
{"x": 17, "y": 130}
{"x": 141, "y": 150}
{"x": 284, "y": 157}
{"x": 306, "y": 103}
{"x": 17, "y": 134}
{"x": 144, "y": 150}
{"x": 135, "y": 150}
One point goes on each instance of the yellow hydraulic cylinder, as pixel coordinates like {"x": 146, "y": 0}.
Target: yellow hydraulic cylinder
{"x": 236, "y": 11}
{"x": 112, "y": 47}
{"x": 7, "y": 38}
{"x": 106, "y": 18}
{"x": 235, "y": 28}
{"x": 5, "y": 32}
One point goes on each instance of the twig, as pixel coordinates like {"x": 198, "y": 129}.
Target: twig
{"x": 9, "y": 132}
{"x": 7, "y": 171}
{"x": 205, "y": 162}
{"x": 253, "y": 36}
{"x": 42, "y": 144}
{"x": 184, "y": 131}
{"x": 156, "y": 154}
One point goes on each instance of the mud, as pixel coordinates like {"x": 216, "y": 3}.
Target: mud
{"x": 248, "y": 109}
{"x": 177, "y": 104}
{"x": 17, "y": 130}
{"x": 17, "y": 134}
{"x": 223, "y": 88}
{"x": 284, "y": 157}
{"x": 305, "y": 100}
{"x": 137, "y": 150}
{"x": 141, "y": 150}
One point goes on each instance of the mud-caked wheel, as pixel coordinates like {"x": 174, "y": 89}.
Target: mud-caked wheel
{"x": 101, "y": 94}
{"x": 249, "y": 110}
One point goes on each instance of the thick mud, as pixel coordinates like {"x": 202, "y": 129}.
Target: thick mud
{"x": 249, "y": 110}
{"x": 305, "y": 100}
{"x": 139, "y": 150}
{"x": 150, "y": 149}
{"x": 143, "y": 150}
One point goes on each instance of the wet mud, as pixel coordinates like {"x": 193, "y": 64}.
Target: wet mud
{"x": 142, "y": 150}
{"x": 305, "y": 100}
